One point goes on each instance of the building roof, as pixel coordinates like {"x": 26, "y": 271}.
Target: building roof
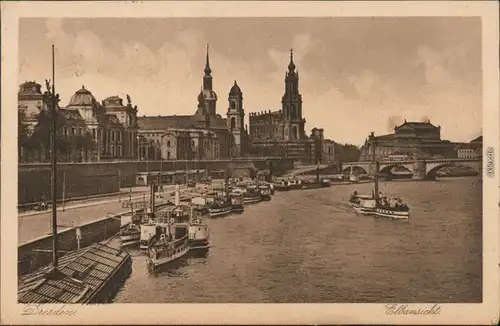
{"x": 82, "y": 97}
{"x": 78, "y": 278}
{"x": 418, "y": 125}
{"x": 235, "y": 90}
{"x": 70, "y": 114}
{"x": 113, "y": 102}
{"x": 477, "y": 139}
{"x": 30, "y": 90}
{"x": 181, "y": 121}
{"x": 166, "y": 122}
{"x": 385, "y": 137}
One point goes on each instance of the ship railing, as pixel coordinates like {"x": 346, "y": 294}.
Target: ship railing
{"x": 180, "y": 242}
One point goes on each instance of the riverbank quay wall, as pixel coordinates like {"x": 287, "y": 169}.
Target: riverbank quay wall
{"x": 73, "y": 180}
{"x": 38, "y": 252}
{"x": 94, "y": 178}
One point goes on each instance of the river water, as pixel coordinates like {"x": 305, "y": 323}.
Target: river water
{"x": 308, "y": 246}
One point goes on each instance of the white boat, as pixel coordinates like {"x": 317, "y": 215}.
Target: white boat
{"x": 252, "y": 195}
{"x": 392, "y": 207}
{"x": 199, "y": 235}
{"x": 379, "y": 205}
{"x": 148, "y": 232}
{"x": 130, "y": 234}
{"x": 352, "y": 177}
{"x": 171, "y": 246}
{"x": 237, "y": 200}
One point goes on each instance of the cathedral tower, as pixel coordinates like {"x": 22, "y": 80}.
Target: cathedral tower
{"x": 292, "y": 105}
{"x": 207, "y": 92}
{"x": 235, "y": 120}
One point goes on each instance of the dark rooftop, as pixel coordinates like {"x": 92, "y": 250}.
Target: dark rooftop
{"x": 69, "y": 114}
{"x": 78, "y": 278}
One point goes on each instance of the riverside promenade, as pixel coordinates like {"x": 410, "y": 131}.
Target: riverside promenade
{"x": 35, "y": 224}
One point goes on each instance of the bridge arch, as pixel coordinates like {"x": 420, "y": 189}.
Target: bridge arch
{"x": 432, "y": 169}
{"x": 347, "y": 169}
{"x": 387, "y": 169}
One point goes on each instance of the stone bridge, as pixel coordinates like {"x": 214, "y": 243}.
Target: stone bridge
{"x": 305, "y": 169}
{"x": 421, "y": 169}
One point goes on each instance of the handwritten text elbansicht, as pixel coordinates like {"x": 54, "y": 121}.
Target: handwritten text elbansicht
{"x": 405, "y": 309}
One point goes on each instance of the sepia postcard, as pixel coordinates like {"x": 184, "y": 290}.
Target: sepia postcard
{"x": 250, "y": 162}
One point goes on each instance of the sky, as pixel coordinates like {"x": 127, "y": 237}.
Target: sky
{"x": 357, "y": 75}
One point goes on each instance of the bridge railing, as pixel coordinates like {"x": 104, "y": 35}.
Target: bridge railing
{"x": 418, "y": 160}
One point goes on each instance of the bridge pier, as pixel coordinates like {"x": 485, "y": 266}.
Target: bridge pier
{"x": 419, "y": 171}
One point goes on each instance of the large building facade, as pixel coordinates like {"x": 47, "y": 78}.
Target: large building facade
{"x": 410, "y": 140}
{"x": 281, "y": 132}
{"x": 203, "y": 135}
{"x": 473, "y": 149}
{"x": 87, "y": 129}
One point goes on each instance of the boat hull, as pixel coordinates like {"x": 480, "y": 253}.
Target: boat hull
{"x": 127, "y": 240}
{"x": 363, "y": 210}
{"x": 214, "y": 212}
{"x": 237, "y": 208}
{"x": 198, "y": 244}
{"x": 251, "y": 200}
{"x": 389, "y": 213}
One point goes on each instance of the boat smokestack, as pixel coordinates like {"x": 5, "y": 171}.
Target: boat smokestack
{"x": 177, "y": 195}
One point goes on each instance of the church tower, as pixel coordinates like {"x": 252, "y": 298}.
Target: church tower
{"x": 207, "y": 92}
{"x": 235, "y": 120}
{"x": 292, "y": 105}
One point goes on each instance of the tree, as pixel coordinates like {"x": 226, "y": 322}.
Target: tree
{"x": 22, "y": 134}
{"x": 84, "y": 143}
{"x": 351, "y": 152}
{"x": 40, "y": 139}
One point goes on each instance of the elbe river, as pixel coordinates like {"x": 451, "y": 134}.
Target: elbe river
{"x": 309, "y": 246}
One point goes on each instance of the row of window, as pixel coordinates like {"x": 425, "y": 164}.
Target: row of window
{"x": 73, "y": 131}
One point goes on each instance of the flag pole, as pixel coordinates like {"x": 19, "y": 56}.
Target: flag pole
{"x": 54, "y": 163}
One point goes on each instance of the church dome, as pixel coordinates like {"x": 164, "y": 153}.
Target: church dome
{"x": 82, "y": 97}
{"x": 235, "y": 90}
{"x": 209, "y": 94}
{"x": 201, "y": 97}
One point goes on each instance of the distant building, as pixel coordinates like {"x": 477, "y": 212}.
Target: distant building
{"x": 473, "y": 149}
{"x": 281, "y": 132}
{"x": 317, "y": 136}
{"x": 203, "y": 135}
{"x": 90, "y": 130}
{"x": 413, "y": 139}
{"x": 31, "y": 102}
{"x": 329, "y": 152}
{"x": 112, "y": 125}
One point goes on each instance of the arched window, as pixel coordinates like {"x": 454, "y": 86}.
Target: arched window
{"x": 232, "y": 105}
{"x": 233, "y": 122}
{"x": 295, "y": 133}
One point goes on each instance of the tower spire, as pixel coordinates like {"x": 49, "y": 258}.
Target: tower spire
{"x": 291, "y": 66}
{"x": 208, "y": 71}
